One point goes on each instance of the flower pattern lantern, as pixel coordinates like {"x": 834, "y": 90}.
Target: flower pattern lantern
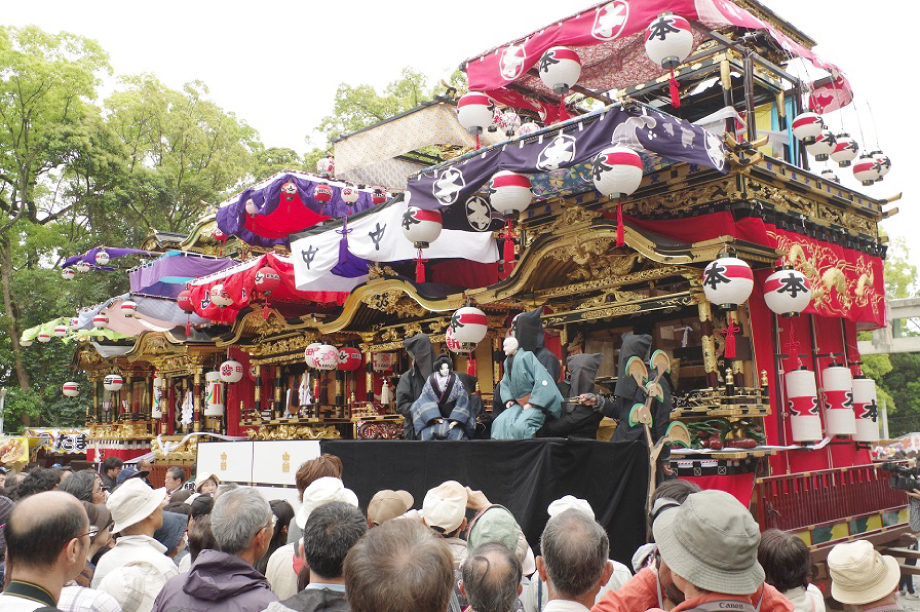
{"x": 231, "y": 371}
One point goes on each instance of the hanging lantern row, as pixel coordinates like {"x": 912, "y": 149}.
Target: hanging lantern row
{"x": 850, "y": 405}
{"x": 822, "y": 144}
{"x": 321, "y": 356}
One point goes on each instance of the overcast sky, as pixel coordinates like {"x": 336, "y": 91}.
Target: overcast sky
{"x": 276, "y": 64}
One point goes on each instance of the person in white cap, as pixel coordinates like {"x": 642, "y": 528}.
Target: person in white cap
{"x": 444, "y": 511}
{"x": 138, "y": 512}
{"x": 863, "y": 578}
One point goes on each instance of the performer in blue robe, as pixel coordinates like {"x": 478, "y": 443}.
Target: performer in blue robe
{"x": 529, "y": 393}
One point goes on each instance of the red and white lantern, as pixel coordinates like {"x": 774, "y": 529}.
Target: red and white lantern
{"x": 469, "y": 325}
{"x": 231, "y": 371}
{"x": 617, "y": 171}
{"x": 309, "y": 354}
{"x": 884, "y": 164}
{"x": 865, "y": 406}
{"x": 806, "y": 126}
{"x": 378, "y": 197}
{"x": 787, "y": 291}
{"x": 866, "y": 169}
{"x": 68, "y": 273}
{"x": 60, "y": 331}
{"x": 668, "y": 40}
{"x": 823, "y": 146}
{"x": 326, "y": 166}
{"x": 350, "y": 194}
{"x": 251, "y": 209}
{"x": 510, "y": 192}
{"x": 727, "y": 282}
{"x": 220, "y": 297}
{"x": 81, "y": 266}
{"x": 43, "y": 337}
{"x": 100, "y": 321}
{"x": 322, "y": 193}
{"x": 26, "y": 343}
{"x": 845, "y": 150}
{"x": 70, "y": 389}
{"x": 74, "y": 322}
{"x": 559, "y": 69}
{"x": 266, "y": 280}
{"x": 421, "y": 227}
{"x": 289, "y": 191}
{"x": 511, "y": 122}
{"x": 326, "y": 357}
{"x": 802, "y": 398}
{"x": 838, "y": 400}
{"x": 829, "y": 175}
{"x": 113, "y": 382}
{"x": 452, "y": 344}
{"x": 102, "y": 258}
{"x": 475, "y": 112}
{"x": 528, "y": 128}
{"x": 213, "y": 395}
{"x": 128, "y": 308}
{"x": 184, "y": 301}
{"x": 349, "y": 359}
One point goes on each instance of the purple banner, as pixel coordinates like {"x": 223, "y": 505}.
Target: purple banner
{"x": 166, "y": 277}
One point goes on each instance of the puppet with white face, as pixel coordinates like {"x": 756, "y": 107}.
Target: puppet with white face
{"x": 442, "y": 411}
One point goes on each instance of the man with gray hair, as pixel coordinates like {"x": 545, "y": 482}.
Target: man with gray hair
{"x": 491, "y": 578}
{"x": 574, "y": 563}
{"x": 226, "y": 579}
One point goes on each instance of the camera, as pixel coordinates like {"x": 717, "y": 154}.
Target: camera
{"x": 903, "y": 477}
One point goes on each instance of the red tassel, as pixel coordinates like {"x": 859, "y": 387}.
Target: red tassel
{"x": 419, "y": 268}
{"x": 188, "y": 326}
{"x": 675, "y": 92}
{"x": 471, "y": 365}
{"x": 477, "y": 141}
{"x": 563, "y": 113}
{"x": 621, "y": 229}
{"x": 508, "y": 249}
{"x": 730, "y": 330}
{"x": 265, "y": 309}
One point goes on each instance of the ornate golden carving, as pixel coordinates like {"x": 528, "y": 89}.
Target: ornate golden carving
{"x": 380, "y": 271}
{"x": 582, "y": 252}
{"x": 568, "y": 220}
{"x": 394, "y": 301}
{"x": 185, "y": 452}
{"x": 293, "y": 432}
{"x": 607, "y": 282}
{"x": 684, "y": 198}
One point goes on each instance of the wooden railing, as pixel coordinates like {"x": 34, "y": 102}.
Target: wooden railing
{"x": 797, "y": 501}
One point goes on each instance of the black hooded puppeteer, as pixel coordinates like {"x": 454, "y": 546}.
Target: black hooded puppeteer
{"x": 412, "y": 381}
{"x": 577, "y": 420}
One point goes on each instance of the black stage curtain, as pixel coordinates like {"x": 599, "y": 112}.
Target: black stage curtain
{"x": 524, "y": 475}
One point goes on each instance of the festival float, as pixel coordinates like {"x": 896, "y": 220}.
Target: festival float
{"x": 655, "y": 170}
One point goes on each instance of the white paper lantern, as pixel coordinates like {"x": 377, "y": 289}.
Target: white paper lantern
{"x": 559, "y": 69}
{"x": 823, "y": 145}
{"x": 866, "y": 169}
{"x": 475, "y": 112}
{"x": 70, "y": 389}
{"x": 251, "y": 209}
{"x": 470, "y": 325}
{"x": 156, "y": 407}
{"x": 511, "y": 122}
{"x": 68, "y": 273}
{"x": 802, "y": 398}
{"x": 829, "y": 175}
{"x": 452, "y": 343}
{"x": 510, "y": 192}
{"x": 421, "y": 227}
{"x": 309, "y": 354}
{"x": 326, "y": 167}
{"x": 43, "y": 337}
{"x": 668, "y": 40}
{"x": 883, "y": 162}
{"x": 100, "y": 321}
{"x": 787, "y": 291}
{"x": 617, "y": 171}
{"x": 231, "y": 371}
{"x": 220, "y": 296}
{"x": 350, "y": 194}
{"x": 727, "y": 282}
{"x": 74, "y": 322}
{"x": 102, "y": 258}
{"x": 129, "y": 308}
{"x": 845, "y": 150}
{"x": 60, "y": 331}
{"x": 24, "y": 342}
{"x": 806, "y": 126}
{"x": 838, "y": 401}
{"x": 865, "y": 407}
{"x": 213, "y": 395}
{"x": 528, "y": 128}
{"x": 326, "y": 357}
{"x": 113, "y": 382}
{"x": 81, "y": 266}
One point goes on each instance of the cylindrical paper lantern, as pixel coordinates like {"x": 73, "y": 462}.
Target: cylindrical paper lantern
{"x": 802, "y": 396}
{"x": 43, "y": 337}
{"x": 214, "y": 395}
{"x": 184, "y": 301}
{"x": 806, "y": 126}
{"x": 668, "y": 40}
{"x": 100, "y": 321}
{"x": 845, "y": 150}
{"x": 865, "y": 406}
{"x": 156, "y": 406}
{"x": 838, "y": 400}
{"x": 470, "y": 325}
{"x": 60, "y": 331}
{"x": 102, "y": 258}
{"x": 866, "y": 169}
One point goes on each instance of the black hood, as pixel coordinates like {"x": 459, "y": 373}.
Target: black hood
{"x": 634, "y": 345}
{"x": 582, "y": 372}
{"x": 419, "y": 348}
{"x": 528, "y": 329}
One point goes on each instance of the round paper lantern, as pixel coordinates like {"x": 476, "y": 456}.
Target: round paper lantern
{"x": 469, "y": 325}
{"x": 68, "y": 273}
{"x": 309, "y": 354}
{"x": 728, "y": 281}
{"x": 113, "y": 382}
{"x": 475, "y": 112}
{"x": 787, "y": 291}
{"x": 266, "y": 280}
{"x": 379, "y": 196}
{"x": 452, "y": 343}
{"x": 81, "y": 266}
{"x": 326, "y": 357}
{"x": 231, "y": 371}
{"x": 884, "y": 164}
{"x": 349, "y": 359}
{"x": 829, "y": 175}
{"x": 326, "y": 166}
{"x": 866, "y": 169}
{"x": 528, "y": 128}
{"x": 251, "y": 208}
{"x": 559, "y": 69}
{"x": 421, "y": 227}
{"x": 806, "y": 126}
{"x": 184, "y": 301}
{"x": 865, "y": 406}
{"x": 102, "y": 258}
{"x": 512, "y": 122}
{"x": 129, "y": 308}
{"x": 60, "y": 331}
{"x": 220, "y": 296}
{"x": 100, "y": 321}
{"x": 43, "y": 337}
{"x": 24, "y": 342}
{"x": 845, "y": 150}
{"x": 74, "y": 322}
{"x": 213, "y": 395}
{"x": 70, "y": 389}
{"x": 350, "y": 194}
{"x": 823, "y": 145}
{"x": 289, "y": 191}
{"x": 510, "y": 192}
{"x": 838, "y": 400}
{"x": 617, "y": 171}
{"x": 802, "y": 394}
{"x": 322, "y": 193}
{"x": 668, "y": 40}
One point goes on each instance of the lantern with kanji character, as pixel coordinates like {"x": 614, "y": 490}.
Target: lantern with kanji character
{"x": 266, "y": 280}
{"x": 559, "y": 69}
{"x": 511, "y": 122}
{"x": 326, "y": 357}
{"x": 100, "y": 321}
{"x": 787, "y": 291}
{"x": 668, "y": 42}
{"x": 74, "y": 322}
{"x": 70, "y": 389}
{"x": 475, "y": 112}
{"x": 213, "y": 395}
{"x": 113, "y": 382}
{"x": 823, "y": 146}
{"x": 309, "y": 354}
{"x": 617, "y": 171}
{"x": 128, "y": 308}
{"x": 528, "y": 128}
{"x": 421, "y": 227}
{"x": 865, "y": 406}
{"x": 469, "y": 326}
{"x": 184, "y": 301}
{"x": 883, "y": 162}
{"x": 349, "y": 359}
{"x": 837, "y": 381}
{"x": 845, "y": 150}
{"x": 322, "y": 193}
{"x": 806, "y": 126}
{"x": 802, "y": 396}
{"x": 728, "y": 282}
{"x": 379, "y": 196}
{"x": 220, "y": 297}
{"x": 102, "y": 258}
{"x": 350, "y": 194}
{"x": 866, "y": 169}
{"x": 68, "y": 273}
{"x": 452, "y": 344}
{"x": 231, "y": 371}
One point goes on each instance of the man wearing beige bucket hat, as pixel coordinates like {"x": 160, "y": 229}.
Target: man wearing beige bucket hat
{"x": 863, "y": 578}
